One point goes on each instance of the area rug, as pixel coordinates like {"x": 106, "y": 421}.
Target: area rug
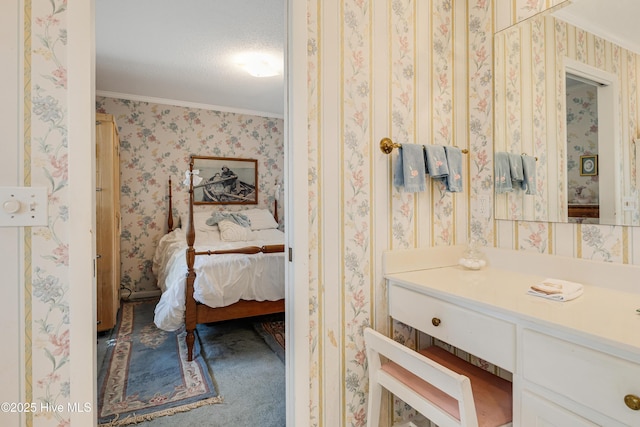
{"x": 145, "y": 373}
{"x": 271, "y": 329}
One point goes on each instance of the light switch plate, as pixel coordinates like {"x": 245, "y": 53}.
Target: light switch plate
{"x": 23, "y": 206}
{"x": 482, "y": 207}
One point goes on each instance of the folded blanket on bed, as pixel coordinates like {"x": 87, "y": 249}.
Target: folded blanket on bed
{"x": 237, "y": 218}
{"x": 232, "y": 232}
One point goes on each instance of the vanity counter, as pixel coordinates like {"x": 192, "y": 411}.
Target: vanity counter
{"x": 606, "y": 315}
{"x": 573, "y": 363}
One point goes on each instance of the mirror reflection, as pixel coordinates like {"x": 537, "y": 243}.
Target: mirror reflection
{"x": 568, "y": 97}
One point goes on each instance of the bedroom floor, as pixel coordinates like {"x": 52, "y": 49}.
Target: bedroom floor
{"x": 249, "y": 375}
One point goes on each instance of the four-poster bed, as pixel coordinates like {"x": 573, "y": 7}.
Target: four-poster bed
{"x": 261, "y": 260}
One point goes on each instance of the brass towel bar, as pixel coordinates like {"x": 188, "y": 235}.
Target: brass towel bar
{"x": 387, "y": 146}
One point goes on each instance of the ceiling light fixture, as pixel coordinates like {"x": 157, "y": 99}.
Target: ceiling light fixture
{"x": 259, "y": 64}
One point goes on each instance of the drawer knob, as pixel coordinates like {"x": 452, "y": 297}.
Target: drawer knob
{"x": 435, "y": 321}
{"x": 632, "y": 401}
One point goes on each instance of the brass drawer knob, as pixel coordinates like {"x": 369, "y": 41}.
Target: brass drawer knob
{"x": 435, "y": 321}
{"x": 632, "y": 401}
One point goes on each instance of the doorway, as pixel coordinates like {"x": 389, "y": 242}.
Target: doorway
{"x": 592, "y": 151}
{"x": 81, "y": 57}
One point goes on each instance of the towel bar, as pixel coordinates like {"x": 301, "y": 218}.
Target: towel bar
{"x": 387, "y": 146}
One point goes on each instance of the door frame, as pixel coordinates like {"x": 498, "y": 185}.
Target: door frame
{"x": 609, "y": 175}
{"x": 81, "y": 107}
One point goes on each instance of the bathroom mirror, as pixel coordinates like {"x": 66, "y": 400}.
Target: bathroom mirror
{"x": 567, "y": 93}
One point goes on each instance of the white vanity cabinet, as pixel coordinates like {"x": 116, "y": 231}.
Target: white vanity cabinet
{"x": 538, "y": 411}
{"x": 485, "y": 336}
{"x": 592, "y": 382}
{"x": 574, "y": 363}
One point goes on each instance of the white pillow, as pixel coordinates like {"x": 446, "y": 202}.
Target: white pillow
{"x": 200, "y": 221}
{"x": 232, "y": 232}
{"x": 261, "y": 219}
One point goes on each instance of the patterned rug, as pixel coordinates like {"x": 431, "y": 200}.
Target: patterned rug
{"x": 271, "y": 329}
{"x": 145, "y": 373}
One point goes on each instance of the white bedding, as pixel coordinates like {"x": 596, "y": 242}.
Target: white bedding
{"x": 221, "y": 280}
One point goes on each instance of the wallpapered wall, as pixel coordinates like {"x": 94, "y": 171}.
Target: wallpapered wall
{"x": 438, "y": 59}
{"x": 155, "y": 144}
{"x": 597, "y": 242}
{"x": 530, "y": 105}
{"x": 429, "y": 72}
{"x": 429, "y": 94}
{"x": 47, "y": 358}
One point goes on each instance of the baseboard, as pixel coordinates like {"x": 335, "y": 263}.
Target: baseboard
{"x": 124, "y": 294}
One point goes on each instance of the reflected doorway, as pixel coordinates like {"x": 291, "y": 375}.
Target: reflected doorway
{"x": 583, "y": 187}
{"x": 591, "y": 157}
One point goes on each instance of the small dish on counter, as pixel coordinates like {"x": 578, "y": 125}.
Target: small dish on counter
{"x": 472, "y": 258}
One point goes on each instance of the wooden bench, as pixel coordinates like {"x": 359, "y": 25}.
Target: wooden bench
{"x": 442, "y": 387}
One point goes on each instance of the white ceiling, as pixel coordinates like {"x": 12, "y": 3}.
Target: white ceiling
{"x": 183, "y": 50}
{"x": 613, "y": 20}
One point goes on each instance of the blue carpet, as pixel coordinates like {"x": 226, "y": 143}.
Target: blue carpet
{"x": 145, "y": 373}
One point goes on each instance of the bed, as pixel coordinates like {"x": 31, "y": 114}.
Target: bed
{"x": 210, "y": 273}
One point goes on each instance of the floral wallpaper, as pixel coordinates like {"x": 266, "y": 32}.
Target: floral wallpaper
{"x": 46, "y": 158}
{"x": 531, "y": 118}
{"x": 422, "y": 109}
{"x": 155, "y": 144}
{"x": 342, "y": 300}
{"x": 597, "y": 242}
{"x": 455, "y": 108}
{"x": 47, "y": 151}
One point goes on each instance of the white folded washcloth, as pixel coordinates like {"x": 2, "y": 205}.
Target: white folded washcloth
{"x": 556, "y": 289}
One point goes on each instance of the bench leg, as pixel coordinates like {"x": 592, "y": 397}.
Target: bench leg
{"x": 375, "y": 399}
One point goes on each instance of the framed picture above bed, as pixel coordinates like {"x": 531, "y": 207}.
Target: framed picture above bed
{"x": 226, "y": 181}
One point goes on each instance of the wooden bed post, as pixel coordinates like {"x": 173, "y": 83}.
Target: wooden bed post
{"x": 170, "y": 216}
{"x": 275, "y": 210}
{"x": 190, "y": 302}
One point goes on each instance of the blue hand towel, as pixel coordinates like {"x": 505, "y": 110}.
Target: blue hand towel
{"x": 515, "y": 167}
{"x": 529, "y": 172}
{"x": 454, "y": 162}
{"x": 398, "y": 172}
{"x": 502, "y": 173}
{"x": 410, "y": 172}
{"x": 436, "y": 160}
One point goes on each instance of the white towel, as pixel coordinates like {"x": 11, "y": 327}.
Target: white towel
{"x": 556, "y": 289}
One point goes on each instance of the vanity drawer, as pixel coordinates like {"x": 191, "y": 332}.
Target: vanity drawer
{"x": 484, "y": 336}
{"x": 593, "y": 379}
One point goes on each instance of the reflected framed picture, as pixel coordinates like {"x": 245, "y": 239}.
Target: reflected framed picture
{"x": 226, "y": 181}
{"x": 589, "y": 165}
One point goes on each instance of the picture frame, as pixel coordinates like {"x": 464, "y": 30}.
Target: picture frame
{"x": 225, "y": 181}
{"x": 589, "y": 165}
